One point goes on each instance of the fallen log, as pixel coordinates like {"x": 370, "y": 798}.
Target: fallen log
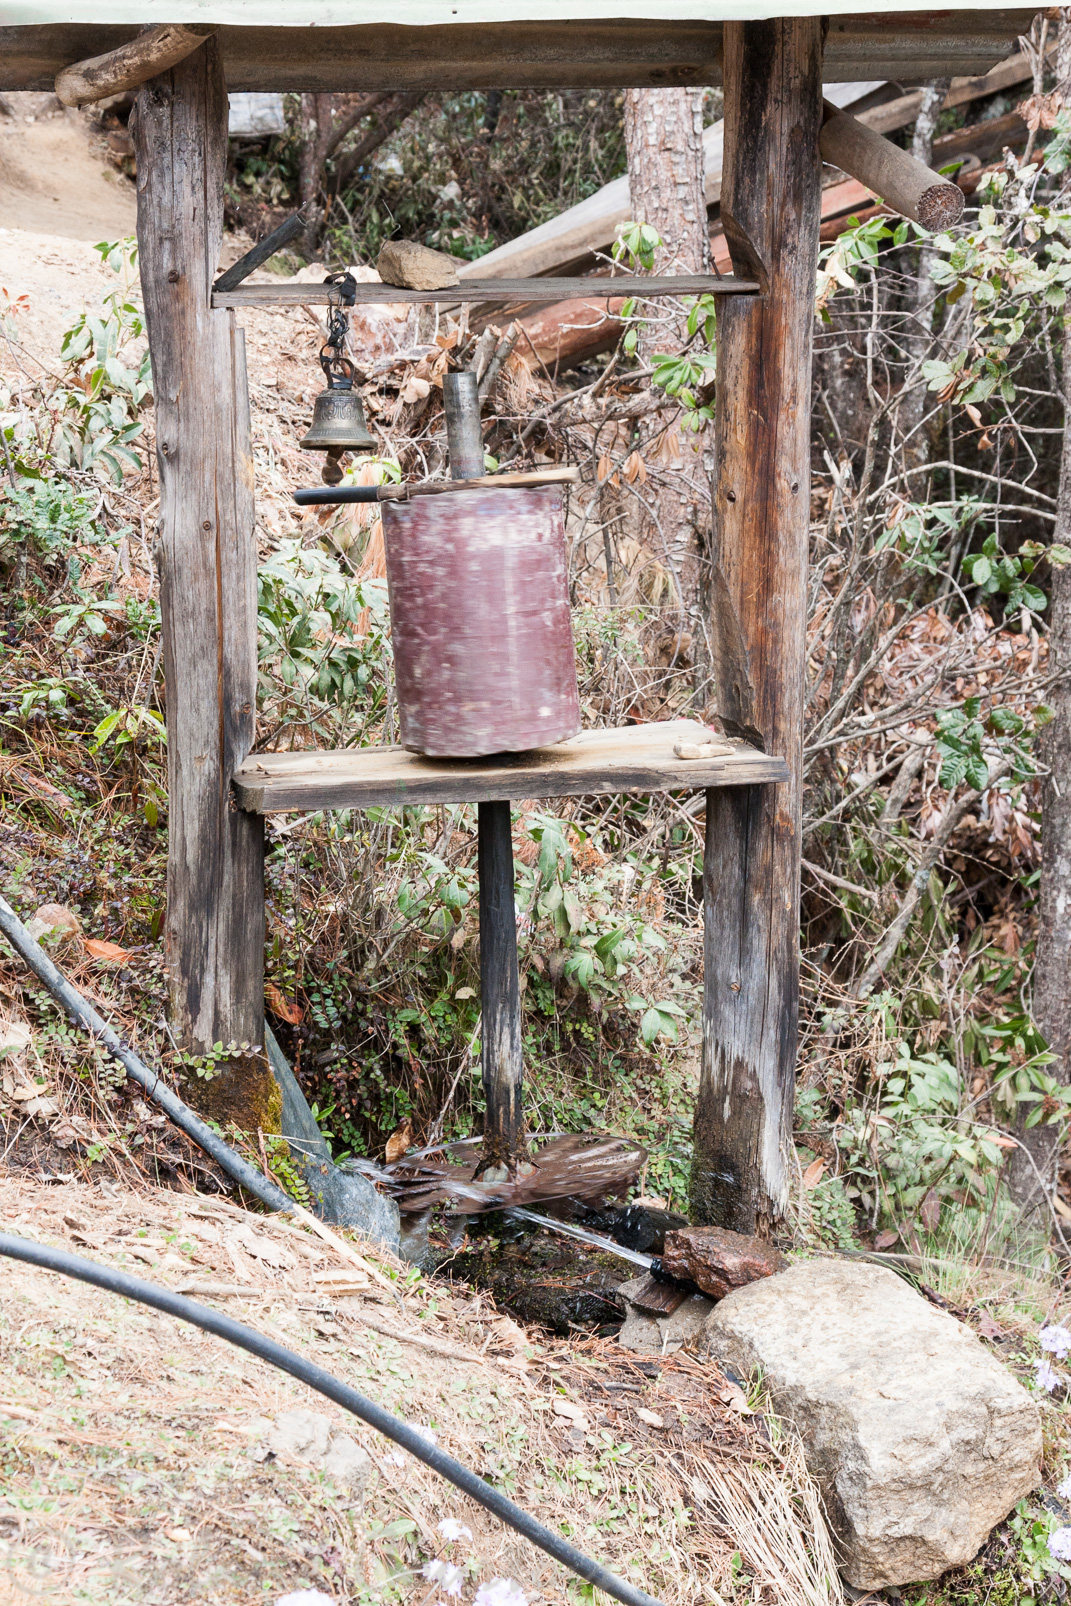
{"x": 132, "y": 64}
{"x": 911, "y": 188}
{"x": 572, "y": 331}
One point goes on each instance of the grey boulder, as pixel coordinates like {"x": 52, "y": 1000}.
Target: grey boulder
{"x": 920, "y": 1439}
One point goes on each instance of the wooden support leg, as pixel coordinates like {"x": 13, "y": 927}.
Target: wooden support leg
{"x": 215, "y": 878}
{"x": 771, "y": 210}
{"x": 500, "y": 993}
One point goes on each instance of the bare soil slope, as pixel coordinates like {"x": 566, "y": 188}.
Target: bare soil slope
{"x": 55, "y": 178}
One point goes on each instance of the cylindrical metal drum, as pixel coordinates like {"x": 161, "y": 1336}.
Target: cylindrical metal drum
{"x": 483, "y": 641}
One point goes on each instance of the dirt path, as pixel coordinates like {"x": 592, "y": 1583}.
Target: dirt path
{"x": 55, "y": 180}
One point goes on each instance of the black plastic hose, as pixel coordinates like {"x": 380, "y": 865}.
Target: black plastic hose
{"x": 247, "y": 1338}
{"x": 315, "y": 495}
{"x": 83, "y": 1014}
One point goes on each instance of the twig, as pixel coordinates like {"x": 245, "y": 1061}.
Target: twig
{"x": 838, "y": 881}
{"x": 920, "y": 881}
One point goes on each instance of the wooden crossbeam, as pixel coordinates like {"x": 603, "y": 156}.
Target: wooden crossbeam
{"x": 520, "y": 290}
{"x": 910, "y": 47}
{"x": 636, "y": 758}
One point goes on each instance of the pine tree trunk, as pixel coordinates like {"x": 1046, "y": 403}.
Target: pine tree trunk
{"x": 664, "y": 139}
{"x": 1032, "y": 1172}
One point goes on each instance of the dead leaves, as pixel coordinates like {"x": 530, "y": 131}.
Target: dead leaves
{"x": 399, "y": 1141}
{"x": 813, "y": 1174}
{"x": 97, "y": 948}
{"x": 281, "y": 1006}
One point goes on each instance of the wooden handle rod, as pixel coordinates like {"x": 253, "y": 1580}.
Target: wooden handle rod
{"x": 288, "y": 230}
{"x": 153, "y": 51}
{"x": 318, "y": 495}
{"x": 908, "y": 186}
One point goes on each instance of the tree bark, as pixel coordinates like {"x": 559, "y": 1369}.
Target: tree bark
{"x": 916, "y": 398}
{"x": 664, "y": 140}
{"x": 771, "y": 206}
{"x": 325, "y": 122}
{"x": 1052, "y": 966}
{"x": 215, "y": 876}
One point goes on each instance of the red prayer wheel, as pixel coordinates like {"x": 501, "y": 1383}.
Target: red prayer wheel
{"x": 480, "y": 621}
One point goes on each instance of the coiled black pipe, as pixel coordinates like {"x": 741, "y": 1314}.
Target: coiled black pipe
{"x": 83, "y": 1014}
{"x": 247, "y": 1338}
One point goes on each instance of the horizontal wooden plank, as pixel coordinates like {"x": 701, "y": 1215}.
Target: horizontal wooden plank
{"x": 520, "y": 290}
{"x": 908, "y": 46}
{"x": 636, "y": 758}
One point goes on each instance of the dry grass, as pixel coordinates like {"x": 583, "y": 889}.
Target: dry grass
{"x": 126, "y": 1471}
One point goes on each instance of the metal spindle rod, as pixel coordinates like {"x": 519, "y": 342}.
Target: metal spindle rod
{"x": 500, "y": 993}
{"x": 464, "y": 435}
{"x": 500, "y": 988}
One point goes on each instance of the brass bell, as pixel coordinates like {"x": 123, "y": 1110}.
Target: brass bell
{"x": 337, "y": 426}
{"x": 337, "y": 417}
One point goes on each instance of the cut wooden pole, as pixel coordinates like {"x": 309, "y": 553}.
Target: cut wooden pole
{"x": 908, "y": 186}
{"x": 501, "y": 1059}
{"x": 757, "y": 603}
{"x": 215, "y": 873}
{"x": 131, "y": 65}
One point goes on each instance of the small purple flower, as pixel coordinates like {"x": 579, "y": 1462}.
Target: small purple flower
{"x": 1057, "y": 1340}
{"x": 451, "y": 1529}
{"x": 1064, "y": 1489}
{"x": 444, "y": 1573}
{"x": 1060, "y": 1544}
{"x": 1046, "y": 1377}
{"x": 500, "y": 1592}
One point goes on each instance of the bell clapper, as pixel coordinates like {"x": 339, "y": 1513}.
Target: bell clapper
{"x": 338, "y": 423}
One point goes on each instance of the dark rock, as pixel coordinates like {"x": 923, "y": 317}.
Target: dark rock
{"x": 545, "y": 1281}
{"x": 718, "y": 1261}
{"x": 636, "y": 1226}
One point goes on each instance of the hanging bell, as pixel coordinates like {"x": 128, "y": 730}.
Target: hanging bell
{"x": 338, "y": 424}
{"x": 337, "y": 416}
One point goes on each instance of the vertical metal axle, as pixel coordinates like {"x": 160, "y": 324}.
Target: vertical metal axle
{"x": 464, "y": 436}
{"x": 500, "y": 993}
{"x": 500, "y": 988}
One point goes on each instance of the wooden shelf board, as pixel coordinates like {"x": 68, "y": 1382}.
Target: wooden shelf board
{"x": 310, "y": 295}
{"x": 635, "y": 758}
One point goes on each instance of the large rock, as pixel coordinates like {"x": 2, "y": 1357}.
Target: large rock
{"x": 415, "y": 267}
{"x": 718, "y": 1261}
{"x": 919, "y": 1437}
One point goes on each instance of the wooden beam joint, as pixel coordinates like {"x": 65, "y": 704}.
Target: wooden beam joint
{"x": 131, "y": 65}
{"x": 909, "y": 186}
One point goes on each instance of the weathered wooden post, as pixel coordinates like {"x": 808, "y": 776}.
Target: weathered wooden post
{"x": 215, "y": 878}
{"x": 770, "y": 205}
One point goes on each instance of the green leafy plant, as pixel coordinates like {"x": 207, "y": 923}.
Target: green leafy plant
{"x": 107, "y": 379}
{"x": 125, "y": 727}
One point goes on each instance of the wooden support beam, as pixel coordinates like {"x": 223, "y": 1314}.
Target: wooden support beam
{"x": 634, "y": 758}
{"x": 129, "y": 66}
{"x": 771, "y": 203}
{"x": 909, "y": 186}
{"x": 521, "y": 291}
{"x": 572, "y": 53}
{"x": 215, "y": 872}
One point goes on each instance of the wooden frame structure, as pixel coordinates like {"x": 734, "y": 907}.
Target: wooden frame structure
{"x": 772, "y": 74}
